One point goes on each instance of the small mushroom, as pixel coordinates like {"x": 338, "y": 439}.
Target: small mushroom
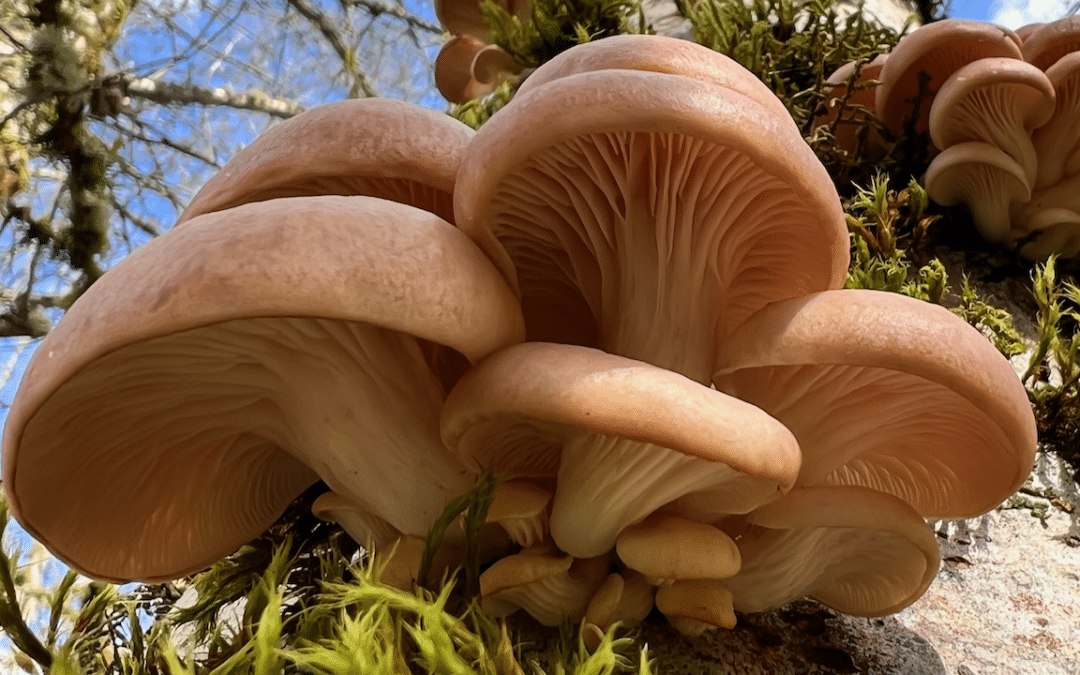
{"x": 468, "y": 68}
{"x": 986, "y": 179}
{"x": 551, "y": 587}
{"x": 521, "y": 508}
{"x": 215, "y": 391}
{"x": 887, "y": 392}
{"x": 375, "y": 147}
{"x": 666, "y": 547}
{"x": 463, "y": 17}
{"x": 997, "y": 101}
{"x": 857, "y": 550}
{"x": 693, "y": 606}
{"x": 921, "y": 62}
{"x": 1055, "y": 231}
{"x": 623, "y": 437}
{"x": 625, "y": 597}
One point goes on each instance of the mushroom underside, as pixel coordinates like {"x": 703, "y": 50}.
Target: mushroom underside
{"x": 208, "y": 434}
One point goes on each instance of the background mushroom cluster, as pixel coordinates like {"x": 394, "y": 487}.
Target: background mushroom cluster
{"x": 1002, "y": 110}
{"x": 634, "y": 320}
{"x": 468, "y": 65}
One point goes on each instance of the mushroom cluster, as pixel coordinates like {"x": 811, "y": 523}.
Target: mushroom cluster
{"x": 469, "y": 65}
{"x": 634, "y": 320}
{"x": 1002, "y": 110}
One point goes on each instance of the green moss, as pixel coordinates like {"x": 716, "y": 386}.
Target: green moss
{"x": 557, "y": 25}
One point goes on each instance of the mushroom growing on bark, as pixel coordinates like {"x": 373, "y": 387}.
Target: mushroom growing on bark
{"x": 205, "y": 381}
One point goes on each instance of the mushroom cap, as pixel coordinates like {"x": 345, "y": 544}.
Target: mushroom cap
{"x": 654, "y": 219}
{"x": 666, "y": 546}
{"x": 996, "y": 100}
{"x": 935, "y": 51}
{"x": 693, "y": 606}
{"x": 1057, "y": 233}
{"x": 1024, "y": 31}
{"x": 1057, "y": 142}
{"x": 600, "y": 420}
{"x": 626, "y": 597}
{"x": 658, "y": 54}
{"x": 551, "y": 587}
{"x": 985, "y": 178}
{"x": 463, "y": 17}
{"x": 857, "y": 550}
{"x": 468, "y": 68}
{"x": 521, "y": 509}
{"x": 150, "y": 435}
{"x": 1049, "y": 42}
{"x": 888, "y": 392}
{"x": 375, "y": 147}
{"x": 852, "y": 118}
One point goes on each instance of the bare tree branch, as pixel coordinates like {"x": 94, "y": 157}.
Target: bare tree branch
{"x": 166, "y": 93}
{"x": 379, "y": 7}
{"x": 326, "y": 26}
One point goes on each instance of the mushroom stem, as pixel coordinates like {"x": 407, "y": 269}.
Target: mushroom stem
{"x": 337, "y": 409}
{"x": 648, "y": 477}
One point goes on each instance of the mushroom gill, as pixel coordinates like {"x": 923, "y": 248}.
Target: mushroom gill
{"x": 202, "y": 394}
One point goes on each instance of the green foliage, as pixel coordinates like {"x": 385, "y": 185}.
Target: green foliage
{"x": 878, "y": 218}
{"x": 479, "y": 110}
{"x": 1052, "y": 378}
{"x": 790, "y": 45}
{"x": 557, "y": 25}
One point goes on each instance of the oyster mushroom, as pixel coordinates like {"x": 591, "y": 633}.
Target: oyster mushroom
{"x": 854, "y": 549}
{"x": 654, "y": 219}
{"x": 205, "y": 381}
{"x": 624, "y": 438}
{"x": 468, "y": 68}
{"x": 887, "y": 392}
{"x": 1057, "y": 142}
{"x": 1050, "y": 41}
{"x": 374, "y": 147}
{"x": 921, "y": 62}
{"x": 986, "y": 179}
{"x": 551, "y": 587}
{"x": 997, "y": 101}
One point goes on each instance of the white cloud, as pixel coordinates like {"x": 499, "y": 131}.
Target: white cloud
{"x": 1016, "y": 13}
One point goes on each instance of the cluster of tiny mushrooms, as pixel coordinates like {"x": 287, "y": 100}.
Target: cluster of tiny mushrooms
{"x": 621, "y": 297}
{"x": 1002, "y": 109}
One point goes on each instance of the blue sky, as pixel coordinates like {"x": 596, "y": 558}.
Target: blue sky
{"x": 1009, "y": 13}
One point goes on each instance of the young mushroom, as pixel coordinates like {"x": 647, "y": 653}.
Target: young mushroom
{"x": 550, "y": 586}
{"x": 623, "y": 437}
{"x": 986, "y": 179}
{"x": 997, "y": 101}
{"x": 201, "y": 384}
